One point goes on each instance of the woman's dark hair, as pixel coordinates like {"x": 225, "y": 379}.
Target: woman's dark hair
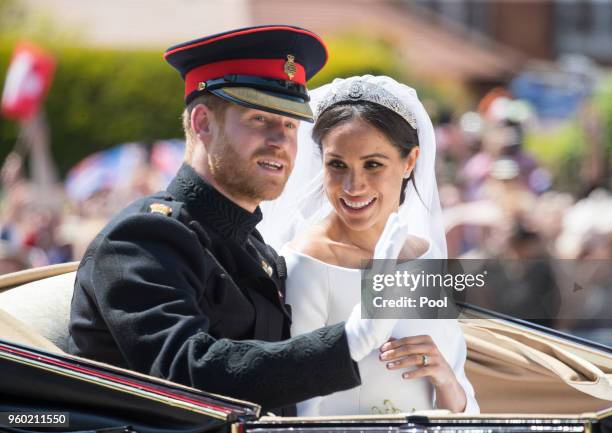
{"x": 399, "y": 132}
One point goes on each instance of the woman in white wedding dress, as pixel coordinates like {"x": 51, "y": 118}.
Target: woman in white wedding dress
{"x": 370, "y": 155}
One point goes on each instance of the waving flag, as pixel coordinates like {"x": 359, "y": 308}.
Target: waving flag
{"x": 27, "y": 82}
{"x": 105, "y": 170}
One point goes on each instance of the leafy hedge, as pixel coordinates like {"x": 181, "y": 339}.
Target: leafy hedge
{"x": 562, "y": 148}
{"x": 101, "y": 98}
{"x": 602, "y": 102}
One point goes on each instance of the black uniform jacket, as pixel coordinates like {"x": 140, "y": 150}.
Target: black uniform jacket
{"x": 181, "y": 286}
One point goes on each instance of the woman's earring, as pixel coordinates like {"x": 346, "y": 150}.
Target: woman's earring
{"x": 406, "y": 175}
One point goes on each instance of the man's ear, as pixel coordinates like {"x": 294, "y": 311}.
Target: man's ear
{"x": 202, "y": 123}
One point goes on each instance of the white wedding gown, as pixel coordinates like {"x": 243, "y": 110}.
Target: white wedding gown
{"x": 321, "y": 294}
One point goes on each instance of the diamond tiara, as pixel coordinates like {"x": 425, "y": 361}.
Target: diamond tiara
{"x": 364, "y": 91}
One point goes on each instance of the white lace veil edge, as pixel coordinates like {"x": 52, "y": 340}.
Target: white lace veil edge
{"x": 303, "y": 201}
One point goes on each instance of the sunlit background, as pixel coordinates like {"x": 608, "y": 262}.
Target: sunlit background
{"x": 520, "y": 93}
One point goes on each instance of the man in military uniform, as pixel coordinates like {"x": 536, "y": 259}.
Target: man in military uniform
{"x": 180, "y": 285}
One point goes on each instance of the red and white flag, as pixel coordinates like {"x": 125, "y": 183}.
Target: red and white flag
{"x": 27, "y": 82}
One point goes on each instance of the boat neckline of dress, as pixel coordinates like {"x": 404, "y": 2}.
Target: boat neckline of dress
{"x": 299, "y": 253}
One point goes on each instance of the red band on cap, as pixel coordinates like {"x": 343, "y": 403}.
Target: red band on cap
{"x": 267, "y": 68}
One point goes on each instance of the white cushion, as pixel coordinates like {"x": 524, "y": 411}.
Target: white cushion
{"x": 44, "y": 305}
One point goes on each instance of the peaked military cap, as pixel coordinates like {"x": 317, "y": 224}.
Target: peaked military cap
{"x": 264, "y": 67}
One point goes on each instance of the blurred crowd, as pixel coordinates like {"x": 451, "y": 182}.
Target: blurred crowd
{"x": 44, "y": 224}
{"x": 499, "y": 201}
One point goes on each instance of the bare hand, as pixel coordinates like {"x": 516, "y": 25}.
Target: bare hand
{"x": 412, "y": 351}
{"x": 420, "y": 351}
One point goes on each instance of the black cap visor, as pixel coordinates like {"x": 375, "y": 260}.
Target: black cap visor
{"x": 270, "y": 102}
{"x": 282, "y": 97}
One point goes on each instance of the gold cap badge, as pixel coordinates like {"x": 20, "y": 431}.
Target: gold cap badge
{"x": 290, "y": 68}
{"x": 160, "y": 208}
{"x": 201, "y": 85}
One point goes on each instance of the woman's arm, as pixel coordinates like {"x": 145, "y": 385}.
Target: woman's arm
{"x": 308, "y": 295}
{"x": 459, "y": 350}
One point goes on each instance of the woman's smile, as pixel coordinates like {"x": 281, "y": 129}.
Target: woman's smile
{"x": 357, "y": 206}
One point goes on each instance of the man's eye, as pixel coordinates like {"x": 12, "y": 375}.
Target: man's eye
{"x": 290, "y": 125}
{"x": 259, "y": 118}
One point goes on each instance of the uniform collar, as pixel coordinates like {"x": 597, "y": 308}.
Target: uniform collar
{"x": 212, "y": 208}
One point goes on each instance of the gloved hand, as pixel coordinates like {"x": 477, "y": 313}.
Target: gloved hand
{"x": 365, "y": 335}
{"x": 392, "y": 239}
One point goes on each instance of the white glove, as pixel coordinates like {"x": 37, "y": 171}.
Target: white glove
{"x": 365, "y": 335}
{"x": 392, "y": 239}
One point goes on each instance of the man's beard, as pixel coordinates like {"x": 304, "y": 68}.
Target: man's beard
{"x": 243, "y": 178}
